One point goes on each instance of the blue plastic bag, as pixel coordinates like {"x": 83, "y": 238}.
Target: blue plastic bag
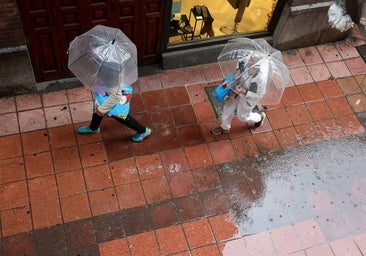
{"x": 222, "y": 90}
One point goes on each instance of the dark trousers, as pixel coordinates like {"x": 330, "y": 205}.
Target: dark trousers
{"x": 130, "y": 122}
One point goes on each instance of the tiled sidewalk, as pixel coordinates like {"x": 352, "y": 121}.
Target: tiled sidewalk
{"x": 66, "y": 194}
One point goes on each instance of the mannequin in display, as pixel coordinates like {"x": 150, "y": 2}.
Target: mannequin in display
{"x": 240, "y": 5}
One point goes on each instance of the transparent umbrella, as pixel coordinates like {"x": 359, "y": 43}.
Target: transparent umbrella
{"x": 103, "y": 56}
{"x": 245, "y": 59}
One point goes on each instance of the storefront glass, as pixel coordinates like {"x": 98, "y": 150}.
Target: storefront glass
{"x": 201, "y": 20}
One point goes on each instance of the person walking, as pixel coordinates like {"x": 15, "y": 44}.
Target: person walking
{"x": 115, "y": 103}
{"x": 248, "y": 90}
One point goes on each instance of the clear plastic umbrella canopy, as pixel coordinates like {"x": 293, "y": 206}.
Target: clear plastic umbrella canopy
{"x": 103, "y": 57}
{"x": 245, "y": 58}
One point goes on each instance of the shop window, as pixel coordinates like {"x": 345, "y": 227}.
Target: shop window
{"x": 201, "y": 20}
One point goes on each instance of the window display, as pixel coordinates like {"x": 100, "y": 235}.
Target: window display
{"x": 200, "y": 19}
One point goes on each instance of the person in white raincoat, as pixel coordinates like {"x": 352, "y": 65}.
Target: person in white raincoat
{"x": 248, "y": 91}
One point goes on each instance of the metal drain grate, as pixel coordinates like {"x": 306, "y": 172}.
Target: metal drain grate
{"x": 218, "y": 108}
{"x": 362, "y": 51}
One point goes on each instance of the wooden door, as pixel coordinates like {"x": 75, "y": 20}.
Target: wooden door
{"x": 50, "y": 26}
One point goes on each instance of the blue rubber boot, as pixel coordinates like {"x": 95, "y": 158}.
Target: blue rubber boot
{"x": 87, "y": 130}
{"x": 138, "y": 137}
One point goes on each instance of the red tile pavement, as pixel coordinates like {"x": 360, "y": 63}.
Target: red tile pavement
{"x": 169, "y": 194}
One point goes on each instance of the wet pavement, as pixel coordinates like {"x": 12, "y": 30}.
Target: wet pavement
{"x": 295, "y": 186}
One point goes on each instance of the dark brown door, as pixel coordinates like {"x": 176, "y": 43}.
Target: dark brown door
{"x": 50, "y": 26}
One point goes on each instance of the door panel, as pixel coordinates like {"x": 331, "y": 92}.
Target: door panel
{"x": 50, "y": 26}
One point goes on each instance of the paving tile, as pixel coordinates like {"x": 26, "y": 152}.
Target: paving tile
{"x": 184, "y": 115}
{"x": 310, "y": 92}
{"x": 21, "y": 244}
{"x": 330, "y": 129}
{"x": 182, "y": 184}
{"x": 206, "y": 178}
{"x": 346, "y": 50}
{"x": 198, "y": 233}
{"x": 35, "y": 141}
{"x": 124, "y": 171}
{"x": 13, "y": 195}
{"x": 319, "y": 72}
{"x": 62, "y": 137}
{"x": 79, "y": 234}
{"x": 212, "y": 72}
{"x": 319, "y": 110}
{"x": 204, "y": 112}
{"x": 339, "y": 106}
{"x": 114, "y": 248}
{"x": 321, "y": 250}
{"x": 292, "y": 59}
{"x": 38, "y": 164}
{"x": 103, "y": 201}
{"x": 75, "y": 207}
{"x": 285, "y": 240}
{"x": 70, "y": 183}
{"x": 361, "y": 242}
{"x": 66, "y": 159}
{"x": 9, "y": 124}
{"x": 57, "y": 116}
{"x": 174, "y": 161}
{"x": 116, "y": 149}
{"x": 54, "y": 98}
{"x": 214, "y": 202}
{"x": 299, "y": 253}
{"x": 310, "y": 55}
{"x": 137, "y": 105}
{"x": 156, "y": 190}
{"x": 279, "y": 118}
{"x": 164, "y": 214}
{"x": 350, "y": 125}
{"x": 291, "y": 96}
{"x": 348, "y": 85}
{"x": 137, "y": 220}
{"x": 301, "y": 75}
{"x": 308, "y": 133}
{"x": 17, "y": 173}
{"x": 329, "y": 52}
{"x": 42, "y": 189}
{"x": 149, "y": 166}
{"x": 224, "y": 227}
{"x": 46, "y": 214}
{"x": 143, "y": 244}
{"x": 7, "y": 105}
{"x": 260, "y": 244}
{"x": 357, "y": 102}
{"x": 16, "y": 221}
{"x": 221, "y": 151}
{"x": 345, "y": 246}
{"x": 130, "y": 195}
{"x": 338, "y": 69}
{"x": 329, "y": 89}
{"x": 177, "y": 96}
{"x": 98, "y": 177}
{"x": 54, "y": 235}
{"x": 191, "y": 135}
{"x": 161, "y": 119}
{"x": 309, "y": 233}
{"x": 266, "y": 142}
{"x": 171, "y": 239}
{"x": 288, "y": 137}
{"x": 81, "y": 112}
{"x": 320, "y": 202}
{"x": 149, "y": 83}
{"x": 92, "y": 154}
{"x": 206, "y": 250}
{"x": 299, "y": 114}
{"x": 197, "y": 93}
{"x": 233, "y": 247}
{"x": 109, "y": 227}
{"x": 245, "y": 147}
{"x": 189, "y": 208}
{"x": 167, "y": 140}
{"x": 150, "y": 101}
{"x": 356, "y": 66}
{"x": 28, "y": 101}
{"x": 78, "y": 94}
{"x": 31, "y": 120}
{"x": 198, "y": 156}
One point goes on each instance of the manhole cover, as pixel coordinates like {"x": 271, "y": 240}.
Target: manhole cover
{"x": 362, "y": 51}
{"x": 218, "y": 108}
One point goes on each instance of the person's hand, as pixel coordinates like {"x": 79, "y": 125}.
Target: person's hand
{"x": 241, "y": 90}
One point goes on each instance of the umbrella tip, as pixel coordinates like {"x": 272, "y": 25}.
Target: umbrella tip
{"x": 113, "y": 41}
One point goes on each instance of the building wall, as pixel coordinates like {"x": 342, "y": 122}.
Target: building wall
{"x": 10, "y": 25}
